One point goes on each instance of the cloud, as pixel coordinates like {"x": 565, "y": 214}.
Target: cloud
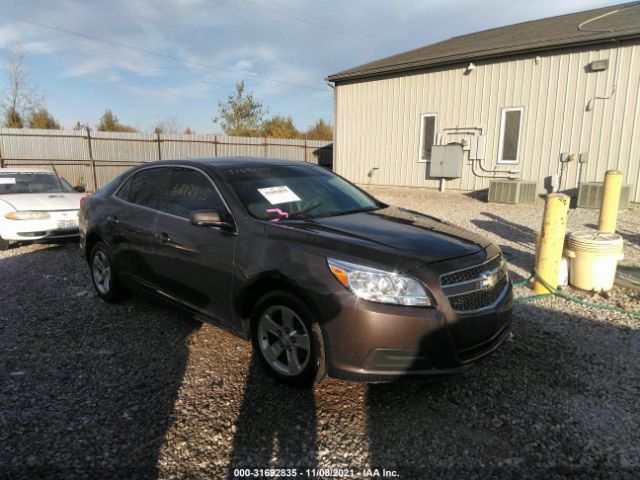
{"x": 251, "y": 35}
{"x": 170, "y": 94}
{"x": 9, "y": 35}
{"x": 103, "y": 65}
{"x": 285, "y": 40}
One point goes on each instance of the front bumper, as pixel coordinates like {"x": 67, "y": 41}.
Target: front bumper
{"x": 60, "y": 225}
{"x": 60, "y": 234}
{"x": 374, "y": 342}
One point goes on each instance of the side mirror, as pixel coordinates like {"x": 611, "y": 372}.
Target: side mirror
{"x": 211, "y": 218}
{"x": 80, "y": 188}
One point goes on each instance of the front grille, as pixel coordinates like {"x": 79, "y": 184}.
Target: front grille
{"x": 467, "y": 302}
{"x": 472, "y": 272}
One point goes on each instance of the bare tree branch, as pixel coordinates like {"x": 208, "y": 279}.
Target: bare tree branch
{"x": 19, "y": 97}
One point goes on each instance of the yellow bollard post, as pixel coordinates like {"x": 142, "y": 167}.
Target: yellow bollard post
{"x": 554, "y": 223}
{"x": 610, "y": 201}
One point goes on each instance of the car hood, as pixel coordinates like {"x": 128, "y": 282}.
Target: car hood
{"x": 43, "y": 201}
{"x": 410, "y": 234}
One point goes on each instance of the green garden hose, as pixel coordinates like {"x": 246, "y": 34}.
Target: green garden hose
{"x": 566, "y": 296}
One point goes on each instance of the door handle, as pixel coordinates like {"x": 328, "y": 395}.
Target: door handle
{"x": 162, "y": 236}
{"x": 113, "y": 219}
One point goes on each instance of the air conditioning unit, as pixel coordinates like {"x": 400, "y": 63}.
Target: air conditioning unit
{"x": 512, "y": 191}
{"x": 590, "y": 195}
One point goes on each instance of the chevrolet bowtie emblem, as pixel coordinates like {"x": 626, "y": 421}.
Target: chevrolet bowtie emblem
{"x": 487, "y": 280}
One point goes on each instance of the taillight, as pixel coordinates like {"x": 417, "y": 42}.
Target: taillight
{"x": 83, "y": 201}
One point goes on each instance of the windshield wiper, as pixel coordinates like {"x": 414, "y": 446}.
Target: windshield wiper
{"x": 355, "y": 210}
{"x": 301, "y": 213}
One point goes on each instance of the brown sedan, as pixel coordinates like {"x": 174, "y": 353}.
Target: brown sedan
{"x": 322, "y": 277}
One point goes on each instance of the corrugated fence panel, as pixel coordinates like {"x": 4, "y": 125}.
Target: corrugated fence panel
{"x": 284, "y": 148}
{"x": 43, "y": 144}
{"x": 124, "y": 147}
{"x": 64, "y": 151}
{"x": 241, "y": 146}
{"x": 176, "y": 146}
{"x": 76, "y": 154}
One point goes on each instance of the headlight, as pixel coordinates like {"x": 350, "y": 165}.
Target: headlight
{"x": 27, "y": 215}
{"x": 378, "y": 285}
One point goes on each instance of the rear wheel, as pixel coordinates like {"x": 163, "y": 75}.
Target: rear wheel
{"x": 286, "y": 339}
{"x": 104, "y": 275}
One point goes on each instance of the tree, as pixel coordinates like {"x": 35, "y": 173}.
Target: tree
{"x": 41, "y": 118}
{"x": 280, "y": 127}
{"x": 241, "y": 115}
{"x": 81, "y": 126}
{"x": 321, "y": 130}
{"x": 19, "y": 97}
{"x": 110, "y": 123}
{"x": 12, "y": 119}
{"x": 188, "y": 131}
{"x": 170, "y": 125}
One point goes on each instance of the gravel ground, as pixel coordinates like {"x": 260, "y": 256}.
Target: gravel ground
{"x": 138, "y": 390}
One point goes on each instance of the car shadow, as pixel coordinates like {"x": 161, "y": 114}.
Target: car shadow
{"x": 276, "y": 426}
{"x": 553, "y": 384}
{"x": 523, "y": 255}
{"x": 87, "y": 388}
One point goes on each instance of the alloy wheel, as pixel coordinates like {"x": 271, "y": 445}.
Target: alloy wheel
{"x": 101, "y": 272}
{"x": 284, "y": 340}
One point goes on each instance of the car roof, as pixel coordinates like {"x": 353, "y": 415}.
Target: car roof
{"x": 25, "y": 170}
{"x": 231, "y": 162}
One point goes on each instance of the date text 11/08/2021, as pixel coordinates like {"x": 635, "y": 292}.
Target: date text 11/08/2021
{"x": 314, "y": 472}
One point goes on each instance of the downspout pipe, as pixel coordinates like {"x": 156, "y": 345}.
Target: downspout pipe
{"x": 614, "y": 87}
{"x": 482, "y": 167}
{"x": 474, "y": 131}
{"x": 480, "y": 175}
{"x": 582, "y": 28}
{"x": 332, "y": 85}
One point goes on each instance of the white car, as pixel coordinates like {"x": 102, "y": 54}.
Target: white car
{"x": 36, "y": 205}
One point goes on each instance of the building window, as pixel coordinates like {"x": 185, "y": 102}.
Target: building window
{"x": 510, "y": 135}
{"x": 427, "y": 136}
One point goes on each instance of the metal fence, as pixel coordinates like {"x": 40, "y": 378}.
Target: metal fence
{"x": 93, "y": 159}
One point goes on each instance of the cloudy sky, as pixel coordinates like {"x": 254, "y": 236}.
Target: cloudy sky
{"x": 178, "y": 58}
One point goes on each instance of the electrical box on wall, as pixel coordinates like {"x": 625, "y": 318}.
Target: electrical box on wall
{"x": 446, "y": 161}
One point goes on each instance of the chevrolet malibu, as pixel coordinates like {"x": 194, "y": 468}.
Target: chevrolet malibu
{"x": 321, "y": 277}
{"x": 36, "y": 205}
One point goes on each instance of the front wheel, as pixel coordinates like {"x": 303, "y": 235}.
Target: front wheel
{"x": 104, "y": 275}
{"x": 286, "y": 339}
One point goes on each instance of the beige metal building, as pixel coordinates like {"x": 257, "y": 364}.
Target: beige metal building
{"x": 554, "y": 101}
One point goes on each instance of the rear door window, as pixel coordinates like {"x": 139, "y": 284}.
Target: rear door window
{"x": 146, "y": 188}
{"x": 189, "y": 191}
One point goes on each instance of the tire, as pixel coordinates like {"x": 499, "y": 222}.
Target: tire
{"x": 104, "y": 275}
{"x": 4, "y": 244}
{"x": 287, "y": 340}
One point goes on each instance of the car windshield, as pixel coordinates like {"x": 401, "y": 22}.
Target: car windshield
{"x": 281, "y": 192}
{"x": 27, "y": 182}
